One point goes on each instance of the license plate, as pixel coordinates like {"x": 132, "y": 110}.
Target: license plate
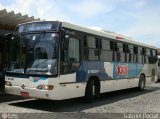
{"x": 25, "y": 94}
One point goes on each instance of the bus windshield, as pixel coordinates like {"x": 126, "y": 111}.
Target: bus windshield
{"x": 33, "y": 53}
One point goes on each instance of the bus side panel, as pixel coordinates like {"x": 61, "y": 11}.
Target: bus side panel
{"x": 71, "y": 90}
{"x": 108, "y": 84}
{"x": 91, "y": 68}
{"x": 124, "y": 70}
{"x": 150, "y": 71}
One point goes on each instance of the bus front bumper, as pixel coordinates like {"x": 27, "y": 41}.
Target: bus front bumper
{"x": 31, "y": 92}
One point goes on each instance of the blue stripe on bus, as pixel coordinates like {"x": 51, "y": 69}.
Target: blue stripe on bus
{"x": 91, "y": 68}
{"x": 96, "y": 68}
{"x": 133, "y": 70}
{"x": 139, "y": 68}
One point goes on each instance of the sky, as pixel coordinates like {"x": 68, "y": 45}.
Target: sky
{"x": 139, "y": 19}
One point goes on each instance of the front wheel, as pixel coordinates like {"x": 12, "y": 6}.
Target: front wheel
{"x": 142, "y": 82}
{"x": 90, "y": 91}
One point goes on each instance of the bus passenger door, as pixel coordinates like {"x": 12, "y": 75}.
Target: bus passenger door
{"x": 70, "y": 59}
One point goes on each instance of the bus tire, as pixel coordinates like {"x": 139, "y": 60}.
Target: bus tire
{"x": 142, "y": 82}
{"x": 90, "y": 91}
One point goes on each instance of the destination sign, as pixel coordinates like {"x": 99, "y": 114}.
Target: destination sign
{"x": 37, "y": 26}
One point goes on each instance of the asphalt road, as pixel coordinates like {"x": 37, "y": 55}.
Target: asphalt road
{"x": 111, "y": 105}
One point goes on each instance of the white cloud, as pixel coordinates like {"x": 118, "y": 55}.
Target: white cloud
{"x": 145, "y": 27}
{"x": 90, "y": 8}
{"x": 140, "y": 3}
{"x": 142, "y": 19}
{"x": 44, "y": 9}
{"x": 18, "y": 6}
{"x": 50, "y": 10}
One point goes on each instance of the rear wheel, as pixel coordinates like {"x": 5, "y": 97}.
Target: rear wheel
{"x": 142, "y": 82}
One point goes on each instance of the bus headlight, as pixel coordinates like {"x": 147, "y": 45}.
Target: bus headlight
{"x": 45, "y": 87}
{"x": 7, "y": 83}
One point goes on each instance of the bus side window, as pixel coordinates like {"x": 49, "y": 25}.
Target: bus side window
{"x": 91, "y": 48}
{"x": 130, "y": 53}
{"x": 140, "y": 55}
{"x": 70, "y": 55}
{"x": 153, "y": 57}
{"x": 148, "y": 54}
{"x": 135, "y": 54}
{"x": 105, "y": 52}
{"x": 120, "y": 55}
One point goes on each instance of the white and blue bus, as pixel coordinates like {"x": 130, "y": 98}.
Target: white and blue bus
{"x": 58, "y": 60}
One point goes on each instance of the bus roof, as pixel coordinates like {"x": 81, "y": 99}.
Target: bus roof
{"x": 104, "y": 33}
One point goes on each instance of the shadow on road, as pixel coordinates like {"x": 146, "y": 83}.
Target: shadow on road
{"x": 7, "y": 98}
{"x": 79, "y": 104}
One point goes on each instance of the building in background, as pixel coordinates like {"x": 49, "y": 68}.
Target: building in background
{"x": 8, "y": 22}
